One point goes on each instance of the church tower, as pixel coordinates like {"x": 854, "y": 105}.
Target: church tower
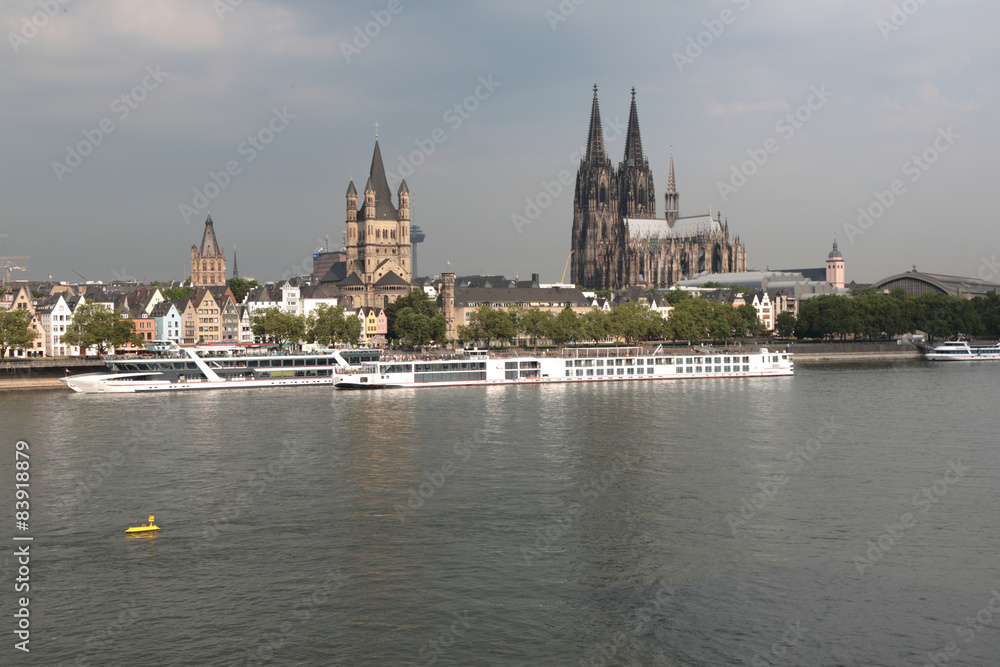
{"x": 208, "y": 263}
{"x": 636, "y": 180}
{"x": 835, "y": 267}
{"x": 378, "y": 239}
{"x": 596, "y": 231}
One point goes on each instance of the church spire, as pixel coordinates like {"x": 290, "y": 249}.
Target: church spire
{"x": 633, "y": 143}
{"x": 673, "y": 198}
{"x": 671, "y": 183}
{"x": 377, "y": 183}
{"x": 595, "y": 139}
{"x": 209, "y": 244}
{"x": 236, "y": 272}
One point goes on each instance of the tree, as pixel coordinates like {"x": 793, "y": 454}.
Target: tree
{"x": 177, "y": 293}
{"x": 326, "y": 324}
{"x": 275, "y": 325}
{"x": 593, "y": 324}
{"x": 412, "y": 326}
{"x": 689, "y": 320}
{"x": 493, "y": 324}
{"x": 352, "y": 330}
{"x": 15, "y": 330}
{"x": 240, "y": 287}
{"x": 723, "y": 318}
{"x": 675, "y": 296}
{"x": 784, "y": 323}
{"x": 416, "y": 299}
{"x": 746, "y": 322}
{"x": 634, "y": 321}
{"x": 124, "y": 333}
{"x": 564, "y": 327}
{"x": 95, "y": 325}
{"x": 535, "y": 323}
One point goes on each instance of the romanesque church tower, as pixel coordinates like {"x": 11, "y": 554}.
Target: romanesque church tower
{"x": 208, "y": 262}
{"x": 378, "y": 241}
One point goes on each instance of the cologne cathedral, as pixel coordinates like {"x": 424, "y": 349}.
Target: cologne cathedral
{"x": 619, "y": 242}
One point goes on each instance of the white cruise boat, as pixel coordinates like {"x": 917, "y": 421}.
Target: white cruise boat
{"x": 572, "y": 365}
{"x": 176, "y": 368}
{"x": 960, "y": 350}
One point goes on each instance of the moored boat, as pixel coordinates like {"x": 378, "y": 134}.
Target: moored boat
{"x": 176, "y": 368}
{"x": 960, "y": 350}
{"x": 573, "y": 365}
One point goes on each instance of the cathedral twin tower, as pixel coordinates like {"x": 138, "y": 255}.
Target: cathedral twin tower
{"x": 617, "y": 239}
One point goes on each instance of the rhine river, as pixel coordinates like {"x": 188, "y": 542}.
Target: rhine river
{"x": 844, "y": 516}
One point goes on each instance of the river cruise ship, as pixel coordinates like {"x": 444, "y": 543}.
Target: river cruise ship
{"x": 960, "y": 350}
{"x": 176, "y": 368}
{"x": 574, "y": 365}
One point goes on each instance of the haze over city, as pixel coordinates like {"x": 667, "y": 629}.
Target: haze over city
{"x": 786, "y": 117}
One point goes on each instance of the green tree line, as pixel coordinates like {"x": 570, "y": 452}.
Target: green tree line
{"x": 870, "y": 315}
{"x": 690, "y": 319}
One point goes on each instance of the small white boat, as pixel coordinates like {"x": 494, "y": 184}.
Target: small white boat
{"x": 960, "y": 350}
{"x": 574, "y": 365}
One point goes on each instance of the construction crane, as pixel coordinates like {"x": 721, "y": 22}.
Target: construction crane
{"x": 8, "y": 267}
{"x": 563, "y": 279}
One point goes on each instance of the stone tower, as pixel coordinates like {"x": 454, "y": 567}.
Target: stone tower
{"x": 635, "y": 178}
{"x": 595, "y": 211}
{"x": 378, "y": 239}
{"x": 835, "y": 267}
{"x": 448, "y": 304}
{"x": 208, "y": 263}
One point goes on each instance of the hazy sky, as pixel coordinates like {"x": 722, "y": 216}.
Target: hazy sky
{"x": 116, "y": 112}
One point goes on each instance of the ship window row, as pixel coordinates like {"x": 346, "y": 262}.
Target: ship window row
{"x": 523, "y": 364}
{"x": 306, "y": 373}
{"x": 441, "y": 367}
{"x": 514, "y": 374}
{"x": 451, "y": 376}
{"x": 257, "y": 363}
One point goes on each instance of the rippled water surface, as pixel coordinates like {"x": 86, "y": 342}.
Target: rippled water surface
{"x": 704, "y": 522}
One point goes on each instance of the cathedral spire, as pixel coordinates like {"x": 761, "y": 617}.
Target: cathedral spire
{"x": 633, "y": 143}
{"x": 671, "y": 183}
{"x": 673, "y": 198}
{"x": 595, "y": 140}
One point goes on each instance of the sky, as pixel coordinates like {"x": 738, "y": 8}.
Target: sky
{"x": 127, "y": 121}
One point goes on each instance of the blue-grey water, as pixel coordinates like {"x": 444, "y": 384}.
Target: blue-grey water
{"x": 844, "y": 516}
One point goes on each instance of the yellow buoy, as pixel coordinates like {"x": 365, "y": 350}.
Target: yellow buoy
{"x": 144, "y": 528}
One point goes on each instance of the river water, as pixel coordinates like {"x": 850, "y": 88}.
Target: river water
{"x": 843, "y": 516}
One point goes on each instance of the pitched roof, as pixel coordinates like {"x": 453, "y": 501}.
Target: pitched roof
{"x": 209, "y": 244}
{"x": 322, "y": 291}
{"x": 391, "y": 279}
{"x": 162, "y": 309}
{"x": 465, "y": 296}
{"x": 384, "y": 209}
{"x": 352, "y": 280}
{"x": 337, "y": 272}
